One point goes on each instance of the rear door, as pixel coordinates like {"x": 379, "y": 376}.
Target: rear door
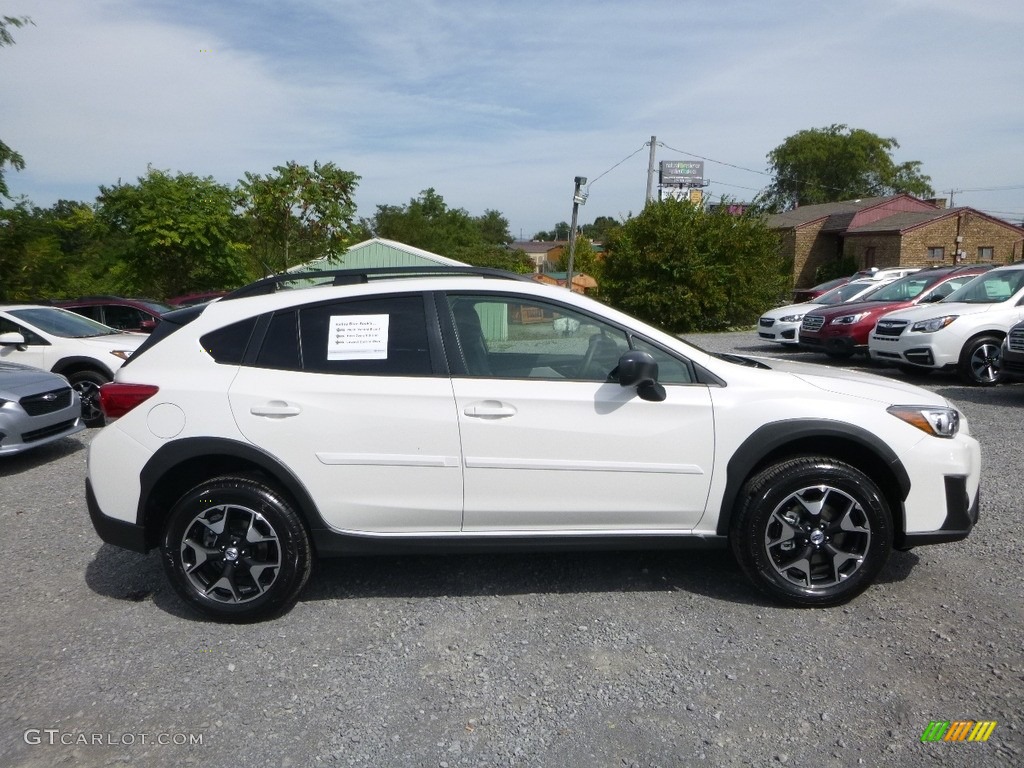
{"x": 354, "y": 397}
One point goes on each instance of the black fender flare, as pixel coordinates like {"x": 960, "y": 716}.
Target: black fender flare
{"x": 801, "y": 434}
{"x": 79, "y": 362}
{"x": 172, "y": 456}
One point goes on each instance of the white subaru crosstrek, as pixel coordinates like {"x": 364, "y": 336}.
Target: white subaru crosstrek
{"x": 469, "y": 410}
{"x": 963, "y": 332}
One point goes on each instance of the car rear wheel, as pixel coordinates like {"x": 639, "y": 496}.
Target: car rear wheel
{"x": 980, "y": 361}
{"x": 811, "y": 531}
{"x": 87, "y": 384}
{"x": 236, "y": 550}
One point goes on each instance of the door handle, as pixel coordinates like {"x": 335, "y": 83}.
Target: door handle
{"x": 489, "y": 409}
{"x": 275, "y": 409}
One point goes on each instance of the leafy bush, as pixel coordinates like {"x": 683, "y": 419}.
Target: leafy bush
{"x": 684, "y": 269}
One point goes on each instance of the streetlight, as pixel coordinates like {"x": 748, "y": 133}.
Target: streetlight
{"x": 578, "y": 198}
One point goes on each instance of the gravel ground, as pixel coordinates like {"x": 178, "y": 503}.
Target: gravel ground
{"x": 617, "y": 660}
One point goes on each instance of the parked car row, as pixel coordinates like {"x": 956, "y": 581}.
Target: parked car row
{"x": 942, "y": 318}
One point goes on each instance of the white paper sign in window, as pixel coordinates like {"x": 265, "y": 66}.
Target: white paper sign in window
{"x": 358, "y": 337}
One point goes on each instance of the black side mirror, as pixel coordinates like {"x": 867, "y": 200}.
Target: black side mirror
{"x": 639, "y": 369}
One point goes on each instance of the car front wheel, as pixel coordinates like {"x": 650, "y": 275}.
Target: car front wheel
{"x": 87, "y": 384}
{"x": 981, "y": 361}
{"x": 811, "y": 531}
{"x": 236, "y": 550}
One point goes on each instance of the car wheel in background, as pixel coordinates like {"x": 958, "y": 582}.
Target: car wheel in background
{"x": 980, "y": 361}
{"x": 811, "y": 531}
{"x": 236, "y": 550}
{"x": 87, "y": 384}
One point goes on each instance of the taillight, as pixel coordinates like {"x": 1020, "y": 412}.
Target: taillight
{"x": 117, "y": 399}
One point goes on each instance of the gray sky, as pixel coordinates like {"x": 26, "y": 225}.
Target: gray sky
{"x": 498, "y": 105}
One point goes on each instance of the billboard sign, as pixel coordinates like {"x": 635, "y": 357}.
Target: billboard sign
{"x": 682, "y": 172}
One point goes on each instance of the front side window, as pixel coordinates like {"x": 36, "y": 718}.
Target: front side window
{"x": 122, "y": 318}
{"x": 518, "y": 337}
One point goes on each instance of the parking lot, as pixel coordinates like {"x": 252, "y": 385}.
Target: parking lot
{"x": 598, "y": 659}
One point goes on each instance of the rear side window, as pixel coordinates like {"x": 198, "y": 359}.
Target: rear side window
{"x": 227, "y": 345}
{"x": 384, "y": 336}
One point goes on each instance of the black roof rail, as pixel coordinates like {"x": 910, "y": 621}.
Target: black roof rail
{"x": 356, "y": 276}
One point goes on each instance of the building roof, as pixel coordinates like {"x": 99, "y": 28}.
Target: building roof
{"x": 377, "y": 252}
{"x": 539, "y": 246}
{"x": 839, "y": 211}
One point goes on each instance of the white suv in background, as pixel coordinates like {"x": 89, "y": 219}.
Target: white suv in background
{"x": 964, "y": 331}
{"x": 465, "y": 409}
{"x": 85, "y": 352}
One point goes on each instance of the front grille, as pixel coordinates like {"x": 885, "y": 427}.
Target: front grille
{"x": 890, "y": 327}
{"x": 766, "y": 322}
{"x": 48, "y": 402}
{"x": 1016, "y": 340}
{"x": 812, "y": 323}
{"x": 45, "y": 432}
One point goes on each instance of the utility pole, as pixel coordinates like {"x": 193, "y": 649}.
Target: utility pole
{"x": 650, "y": 172}
{"x": 578, "y": 198}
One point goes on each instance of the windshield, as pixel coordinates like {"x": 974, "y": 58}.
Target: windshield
{"x": 902, "y": 290}
{"x": 60, "y": 322}
{"x": 989, "y": 288}
{"x": 156, "y": 307}
{"x": 844, "y": 293}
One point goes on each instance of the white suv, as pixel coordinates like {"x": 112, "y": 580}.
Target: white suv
{"x": 964, "y": 331}
{"x": 85, "y": 352}
{"x": 469, "y": 410}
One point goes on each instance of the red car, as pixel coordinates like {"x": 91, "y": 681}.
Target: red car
{"x": 843, "y": 330}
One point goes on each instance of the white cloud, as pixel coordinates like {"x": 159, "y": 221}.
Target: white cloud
{"x": 500, "y": 105}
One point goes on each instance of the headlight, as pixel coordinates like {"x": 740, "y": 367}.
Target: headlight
{"x": 791, "y": 318}
{"x": 938, "y": 421}
{"x": 849, "y": 319}
{"x": 124, "y": 354}
{"x": 933, "y": 325}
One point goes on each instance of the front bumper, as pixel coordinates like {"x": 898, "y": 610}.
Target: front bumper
{"x": 962, "y": 515}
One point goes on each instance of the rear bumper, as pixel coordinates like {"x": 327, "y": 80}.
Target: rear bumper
{"x": 113, "y": 531}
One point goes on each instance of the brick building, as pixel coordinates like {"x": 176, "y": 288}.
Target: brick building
{"x": 896, "y": 231}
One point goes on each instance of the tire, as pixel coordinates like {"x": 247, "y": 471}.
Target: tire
{"x": 811, "y": 531}
{"x": 236, "y": 550}
{"x": 980, "y": 361}
{"x": 87, "y": 384}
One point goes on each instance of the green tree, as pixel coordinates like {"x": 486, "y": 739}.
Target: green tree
{"x": 7, "y": 155}
{"x": 298, "y": 213}
{"x": 585, "y": 260}
{"x": 602, "y": 227}
{"x": 173, "y": 234}
{"x": 684, "y": 269}
{"x": 823, "y": 165}
{"x": 428, "y": 223}
{"x": 560, "y": 232}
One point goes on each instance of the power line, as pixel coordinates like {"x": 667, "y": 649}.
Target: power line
{"x": 642, "y": 148}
